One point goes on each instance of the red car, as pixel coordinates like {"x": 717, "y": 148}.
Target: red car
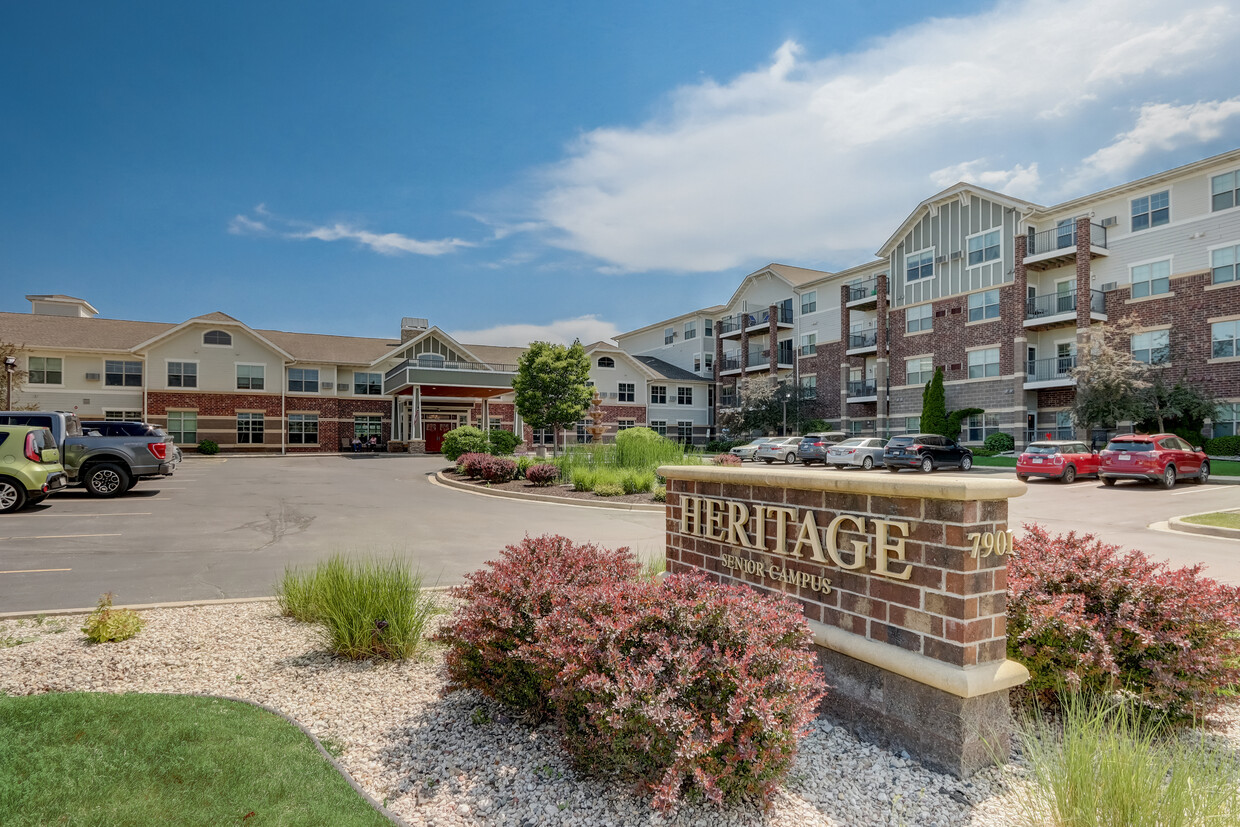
{"x": 1161, "y": 458}
{"x": 1064, "y": 460}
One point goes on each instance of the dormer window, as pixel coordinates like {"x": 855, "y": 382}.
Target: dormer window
{"x": 606, "y": 362}
{"x": 216, "y": 337}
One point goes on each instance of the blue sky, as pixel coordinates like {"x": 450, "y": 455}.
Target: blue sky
{"x": 553, "y": 169}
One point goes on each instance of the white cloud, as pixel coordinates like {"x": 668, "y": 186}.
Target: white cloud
{"x": 803, "y": 160}
{"x": 588, "y": 329}
{"x": 1162, "y": 127}
{"x": 383, "y": 243}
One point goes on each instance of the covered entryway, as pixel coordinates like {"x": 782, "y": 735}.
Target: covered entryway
{"x": 432, "y": 399}
{"x": 434, "y": 435}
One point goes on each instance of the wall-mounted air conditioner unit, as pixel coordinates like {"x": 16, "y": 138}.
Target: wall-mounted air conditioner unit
{"x": 1110, "y": 222}
{"x": 92, "y": 377}
{"x": 327, "y": 386}
{"x": 940, "y": 260}
{"x": 1110, "y": 285}
{"x": 955, "y": 255}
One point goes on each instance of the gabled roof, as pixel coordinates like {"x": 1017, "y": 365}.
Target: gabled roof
{"x": 792, "y": 276}
{"x": 217, "y": 316}
{"x": 430, "y": 332}
{"x": 32, "y": 330}
{"x": 666, "y": 370}
{"x": 613, "y": 350}
{"x": 955, "y": 191}
{"x": 705, "y": 311}
{"x": 213, "y": 318}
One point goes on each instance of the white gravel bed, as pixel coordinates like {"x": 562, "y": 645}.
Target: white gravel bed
{"x": 459, "y": 759}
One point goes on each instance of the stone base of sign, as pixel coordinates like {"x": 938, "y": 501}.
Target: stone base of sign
{"x": 416, "y": 446}
{"x": 902, "y": 580}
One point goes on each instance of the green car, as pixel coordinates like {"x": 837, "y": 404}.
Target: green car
{"x": 29, "y": 466}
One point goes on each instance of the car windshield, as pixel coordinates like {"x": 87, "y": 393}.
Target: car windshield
{"x": 1042, "y": 449}
{"x": 853, "y": 442}
{"x": 1131, "y": 446}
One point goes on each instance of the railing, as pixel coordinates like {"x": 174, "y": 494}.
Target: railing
{"x": 784, "y": 356}
{"x": 1054, "y": 304}
{"x": 1044, "y": 370}
{"x": 728, "y": 324}
{"x": 443, "y": 364}
{"x": 862, "y": 289}
{"x": 731, "y": 362}
{"x": 866, "y": 387}
{"x": 758, "y": 357}
{"x": 863, "y": 338}
{"x": 1064, "y": 238}
{"x": 727, "y": 400}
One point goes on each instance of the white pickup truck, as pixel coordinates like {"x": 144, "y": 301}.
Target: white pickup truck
{"x": 105, "y": 465}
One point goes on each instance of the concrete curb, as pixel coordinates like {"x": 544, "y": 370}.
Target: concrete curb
{"x": 438, "y": 478}
{"x": 1179, "y": 524}
{"x": 174, "y": 604}
{"x": 331, "y": 759}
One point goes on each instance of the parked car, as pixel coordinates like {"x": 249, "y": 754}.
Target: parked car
{"x": 1061, "y": 459}
{"x": 782, "y": 448}
{"x": 105, "y": 465}
{"x": 747, "y": 451}
{"x": 925, "y": 451}
{"x": 113, "y": 427}
{"x": 1160, "y": 458}
{"x": 862, "y": 452}
{"x": 30, "y": 466}
{"x": 813, "y": 447}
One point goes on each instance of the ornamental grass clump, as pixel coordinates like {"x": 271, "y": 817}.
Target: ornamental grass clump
{"x": 500, "y": 605}
{"x": 109, "y": 625}
{"x": 1084, "y": 616}
{"x": 693, "y": 688}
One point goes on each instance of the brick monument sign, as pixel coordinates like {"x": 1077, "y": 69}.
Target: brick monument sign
{"x": 903, "y": 579}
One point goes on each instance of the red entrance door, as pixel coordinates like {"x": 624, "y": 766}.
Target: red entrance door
{"x": 434, "y": 435}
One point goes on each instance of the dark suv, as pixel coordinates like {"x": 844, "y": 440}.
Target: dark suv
{"x": 925, "y": 451}
{"x": 813, "y": 447}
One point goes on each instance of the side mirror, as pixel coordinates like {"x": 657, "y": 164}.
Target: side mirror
{"x": 1198, "y": 449}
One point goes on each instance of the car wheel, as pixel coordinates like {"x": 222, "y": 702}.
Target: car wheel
{"x": 867, "y": 463}
{"x": 893, "y": 469}
{"x": 1022, "y": 477}
{"x": 927, "y": 465}
{"x": 1108, "y": 480}
{"x": 767, "y": 461}
{"x": 35, "y": 499}
{"x": 1168, "y": 477}
{"x": 1069, "y": 474}
{"x": 107, "y": 479}
{"x": 12, "y": 496}
{"x": 789, "y": 459}
{"x": 966, "y": 463}
{"x": 132, "y": 483}
{"x": 1204, "y": 476}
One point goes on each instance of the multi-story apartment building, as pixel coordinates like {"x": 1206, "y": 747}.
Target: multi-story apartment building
{"x": 999, "y": 293}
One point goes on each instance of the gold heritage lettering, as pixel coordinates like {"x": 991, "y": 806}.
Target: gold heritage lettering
{"x": 711, "y": 520}
{"x": 833, "y": 539}
{"x": 882, "y": 530}
{"x": 782, "y": 516}
{"x": 759, "y": 532}
{"x": 808, "y": 536}
{"x": 690, "y": 515}
{"x": 738, "y": 518}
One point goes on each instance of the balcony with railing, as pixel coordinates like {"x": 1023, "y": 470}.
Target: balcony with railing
{"x": 1056, "y": 309}
{"x": 863, "y": 293}
{"x": 863, "y": 339}
{"x": 728, "y": 400}
{"x": 728, "y": 326}
{"x": 1055, "y": 372}
{"x": 442, "y": 372}
{"x": 862, "y": 390}
{"x": 731, "y": 364}
{"x": 1057, "y": 247}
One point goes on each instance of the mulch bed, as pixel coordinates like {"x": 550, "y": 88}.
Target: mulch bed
{"x": 566, "y": 491}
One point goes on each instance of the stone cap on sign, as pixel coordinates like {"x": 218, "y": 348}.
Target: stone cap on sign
{"x": 918, "y": 486}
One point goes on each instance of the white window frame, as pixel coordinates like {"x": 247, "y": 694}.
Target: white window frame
{"x": 124, "y": 373}
{"x": 373, "y": 425}
{"x": 45, "y": 371}
{"x": 659, "y": 426}
{"x": 1233, "y": 191}
{"x": 249, "y": 432}
{"x": 1233, "y": 267}
{"x": 1217, "y": 328}
{"x": 625, "y": 424}
{"x": 987, "y": 252}
{"x": 926, "y": 253}
{"x": 658, "y": 395}
{"x": 912, "y": 424}
{"x": 984, "y": 363}
{"x": 1145, "y": 268}
{"x": 181, "y": 430}
{"x": 367, "y": 392}
{"x": 626, "y": 391}
{"x": 302, "y": 420}
{"x": 980, "y": 426}
{"x": 1149, "y": 211}
{"x": 669, "y": 335}
{"x": 809, "y": 302}
{"x": 207, "y": 333}
{"x": 809, "y": 382}
{"x": 983, "y": 306}
{"x": 691, "y": 330}
{"x": 809, "y": 344}
{"x": 1151, "y": 342}
{"x": 1227, "y": 420}
{"x": 599, "y": 363}
{"x": 168, "y": 363}
{"x": 262, "y": 378}
{"x": 684, "y": 395}
{"x": 120, "y": 415}
{"x": 922, "y": 314}
{"x": 925, "y": 364}
{"x": 318, "y": 386}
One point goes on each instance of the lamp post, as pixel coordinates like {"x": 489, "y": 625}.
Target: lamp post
{"x": 10, "y": 367}
{"x": 784, "y": 394}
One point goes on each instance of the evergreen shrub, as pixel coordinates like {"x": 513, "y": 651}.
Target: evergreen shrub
{"x": 503, "y": 442}
{"x": 464, "y": 440}
{"x": 999, "y": 442}
{"x": 206, "y": 446}
{"x": 1223, "y": 446}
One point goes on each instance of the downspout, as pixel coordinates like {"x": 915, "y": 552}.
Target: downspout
{"x": 283, "y": 416}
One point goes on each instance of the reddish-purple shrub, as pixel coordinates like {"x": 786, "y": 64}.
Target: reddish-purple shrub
{"x": 498, "y": 469}
{"x": 1085, "y": 615}
{"x": 693, "y": 687}
{"x": 471, "y": 464}
{"x": 502, "y": 602}
{"x": 542, "y": 474}
{"x": 727, "y": 459}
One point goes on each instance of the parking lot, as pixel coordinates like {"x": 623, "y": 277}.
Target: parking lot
{"x": 228, "y": 527}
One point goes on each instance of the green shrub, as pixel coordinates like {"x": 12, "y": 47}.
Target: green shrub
{"x": 1223, "y": 446}
{"x": 464, "y": 440}
{"x": 608, "y": 489}
{"x": 636, "y": 481}
{"x": 1105, "y": 763}
{"x": 997, "y": 443}
{"x": 660, "y": 493}
{"x": 206, "y": 446}
{"x": 813, "y": 426}
{"x": 723, "y": 446}
{"x": 106, "y": 624}
{"x": 368, "y": 608}
{"x": 503, "y": 442}
{"x": 524, "y": 464}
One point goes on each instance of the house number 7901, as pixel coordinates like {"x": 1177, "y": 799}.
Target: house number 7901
{"x": 986, "y": 543}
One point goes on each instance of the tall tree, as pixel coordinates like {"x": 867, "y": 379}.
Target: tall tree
{"x": 552, "y": 385}
{"x": 1180, "y": 405}
{"x": 1109, "y": 381}
{"x": 14, "y": 381}
{"x": 934, "y": 406}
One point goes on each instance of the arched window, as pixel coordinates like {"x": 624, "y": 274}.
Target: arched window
{"x": 216, "y": 337}
{"x": 606, "y": 362}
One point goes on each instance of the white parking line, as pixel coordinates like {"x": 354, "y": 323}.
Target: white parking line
{"x": 1200, "y": 490}
{"x": 58, "y": 536}
{"x": 31, "y": 571}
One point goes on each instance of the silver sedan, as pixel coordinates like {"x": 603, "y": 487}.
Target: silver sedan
{"x": 747, "y": 451}
{"x": 862, "y": 452}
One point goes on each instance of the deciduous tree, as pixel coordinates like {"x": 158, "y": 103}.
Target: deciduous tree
{"x": 552, "y": 385}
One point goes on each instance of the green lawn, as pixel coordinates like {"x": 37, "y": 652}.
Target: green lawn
{"x": 86, "y": 758}
{"x": 1224, "y": 468}
{"x": 1223, "y": 519}
{"x": 995, "y": 462}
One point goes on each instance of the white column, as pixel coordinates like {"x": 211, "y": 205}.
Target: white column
{"x": 486, "y": 415}
{"x": 417, "y": 413}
